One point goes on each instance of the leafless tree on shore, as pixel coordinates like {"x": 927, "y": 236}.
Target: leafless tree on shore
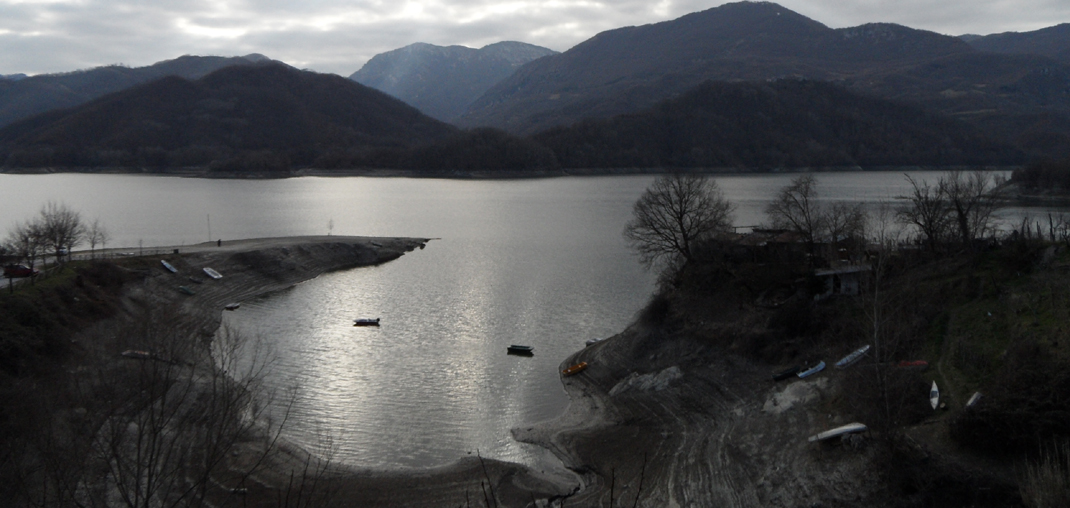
{"x": 674, "y": 213}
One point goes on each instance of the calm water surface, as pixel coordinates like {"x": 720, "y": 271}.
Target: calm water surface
{"x": 537, "y": 262}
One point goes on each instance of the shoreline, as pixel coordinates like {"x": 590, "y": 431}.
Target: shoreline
{"x": 475, "y": 175}
{"x": 254, "y": 267}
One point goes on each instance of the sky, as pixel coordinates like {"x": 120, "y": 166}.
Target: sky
{"x": 339, "y": 36}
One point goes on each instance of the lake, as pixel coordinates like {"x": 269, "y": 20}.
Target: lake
{"x": 538, "y": 262}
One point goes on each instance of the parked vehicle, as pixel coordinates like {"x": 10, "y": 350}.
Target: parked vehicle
{"x": 19, "y": 271}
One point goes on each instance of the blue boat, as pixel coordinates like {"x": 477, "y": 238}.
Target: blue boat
{"x": 813, "y": 370}
{"x": 850, "y": 359}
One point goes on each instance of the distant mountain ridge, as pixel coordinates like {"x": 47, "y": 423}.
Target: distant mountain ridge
{"x": 737, "y": 41}
{"x": 262, "y": 116}
{"x": 632, "y": 68}
{"x": 781, "y": 124}
{"x": 442, "y": 81}
{"x": 1052, "y": 42}
{"x": 32, "y": 95}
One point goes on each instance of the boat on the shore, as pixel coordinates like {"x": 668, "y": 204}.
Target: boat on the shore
{"x": 852, "y": 358}
{"x": 919, "y": 365}
{"x": 366, "y": 322}
{"x": 574, "y": 369}
{"x": 137, "y": 354}
{"x": 515, "y": 349}
{"x": 232, "y": 306}
{"x": 812, "y": 370}
{"x": 171, "y": 268}
{"x": 212, "y": 273}
{"x": 850, "y": 428}
{"x": 591, "y": 342}
{"x": 786, "y": 373}
{"x": 934, "y": 396}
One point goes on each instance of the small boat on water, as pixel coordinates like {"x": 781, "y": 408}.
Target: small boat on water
{"x": 212, "y": 273}
{"x": 171, "y": 268}
{"x": 812, "y": 370}
{"x": 934, "y": 396}
{"x": 231, "y": 306}
{"x": 366, "y": 322}
{"x": 786, "y": 373}
{"x": 195, "y": 280}
{"x": 974, "y": 399}
{"x": 520, "y": 350}
{"x": 575, "y": 369}
{"x": 852, "y": 358}
{"x": 850, "y": 428}
{"x": 186, "y": 290}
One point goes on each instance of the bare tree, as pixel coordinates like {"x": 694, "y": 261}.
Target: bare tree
{"x": 96, "y": 234}
{"x": 674, "y": 213}
{"x": 796, "y": 208}
{"x": 26, "y": 241}
{"x": 842, "y": 219}
{"x": 61, "y": 228}
{"x": 929, "y": 211}
{"x": 973, "y": 198}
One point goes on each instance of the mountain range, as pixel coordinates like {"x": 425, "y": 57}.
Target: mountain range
{"x": 1052, "y": 42}
{"x": 443, "y": 81}
{"x": 1021, "y": 96}
{"x": 27, "y": 96}
{"x": 261, "y": 116}
{"x": 876, "y": 94}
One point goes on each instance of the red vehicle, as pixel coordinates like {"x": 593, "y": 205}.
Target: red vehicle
{"x": 19, "y": 271}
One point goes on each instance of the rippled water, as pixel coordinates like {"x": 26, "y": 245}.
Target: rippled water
{"x": 537, "y": 262}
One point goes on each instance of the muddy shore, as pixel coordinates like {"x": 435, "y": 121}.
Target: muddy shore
{"x": 658, "y": 419}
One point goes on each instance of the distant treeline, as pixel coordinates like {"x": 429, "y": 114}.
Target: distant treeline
{"x": 270, "y": 118}
{"x": 1048, "y": 175}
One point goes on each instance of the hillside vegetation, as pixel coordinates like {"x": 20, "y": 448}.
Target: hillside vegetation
{"x": 29, "y": 96}
{"x": 787, "y": 123}
{"x": 273, "y": 119}
{"x": 1019, "y": 98}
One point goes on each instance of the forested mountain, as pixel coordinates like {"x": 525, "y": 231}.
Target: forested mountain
{"x": 1022, "y": 98}
{"x": 257, "y": 117}
{"x": 443, "y": 81}
{"x": 1052, "y": 42}
{"x": 22, "y": 98}
{"x": 787, "y": 123}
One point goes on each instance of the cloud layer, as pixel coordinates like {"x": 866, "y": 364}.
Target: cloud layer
{"x": 41, "y": 36}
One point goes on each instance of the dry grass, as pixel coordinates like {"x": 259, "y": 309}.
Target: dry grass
{"x": 1045, "y": 482}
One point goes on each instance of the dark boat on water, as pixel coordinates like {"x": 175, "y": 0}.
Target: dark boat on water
{"x": 520, "y": 350}
{"x": 366, "y": 322}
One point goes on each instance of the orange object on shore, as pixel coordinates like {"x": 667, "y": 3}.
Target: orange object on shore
{"x": 575, "y": 369}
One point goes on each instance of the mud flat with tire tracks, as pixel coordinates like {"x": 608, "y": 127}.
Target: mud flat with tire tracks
{"x": 657, "y": 419}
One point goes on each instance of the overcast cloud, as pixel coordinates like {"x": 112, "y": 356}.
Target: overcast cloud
{"x": 40, "y": 36}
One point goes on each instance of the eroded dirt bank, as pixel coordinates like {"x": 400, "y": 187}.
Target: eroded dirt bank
{"x": 671, "y": 422}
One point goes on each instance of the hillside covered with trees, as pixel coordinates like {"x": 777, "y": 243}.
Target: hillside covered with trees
{"x": 787, "y": 123}
{"x": 274, "y": 119}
